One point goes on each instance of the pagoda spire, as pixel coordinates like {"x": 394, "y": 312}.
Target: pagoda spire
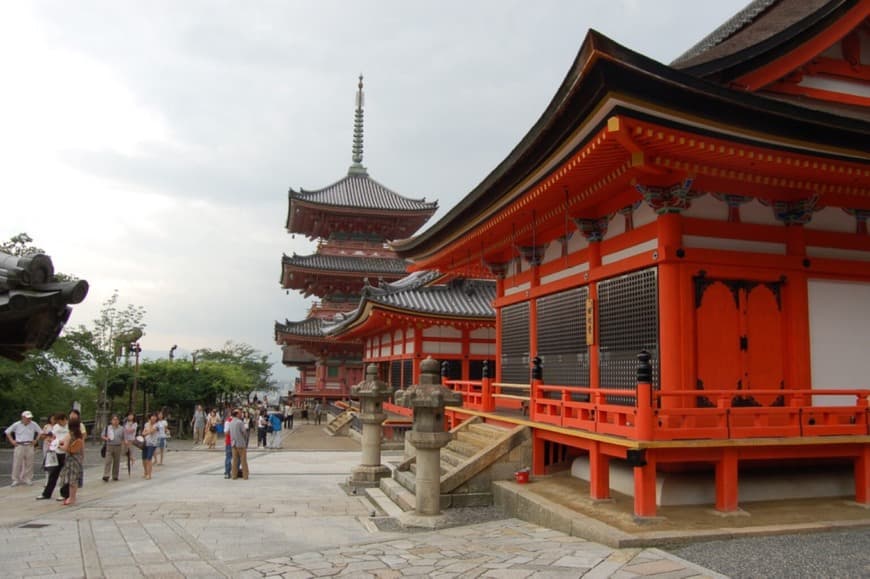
{"x": 357, "y": 168}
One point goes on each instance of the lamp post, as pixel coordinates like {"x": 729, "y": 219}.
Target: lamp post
{"x": 136, "y": 349}
{"x": 172, "y": 352}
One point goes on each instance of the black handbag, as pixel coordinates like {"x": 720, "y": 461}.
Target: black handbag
{"x": 103, "y": 450}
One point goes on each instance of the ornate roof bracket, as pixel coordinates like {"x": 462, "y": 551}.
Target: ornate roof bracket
{"x": 734, "y": 202}
{"x": 673, "y": 199}
{"x": 533, "y": 254}
{"x": 796, "y": 212}
{"x": 498, "y": 269}
{"x": 593, "y": 229}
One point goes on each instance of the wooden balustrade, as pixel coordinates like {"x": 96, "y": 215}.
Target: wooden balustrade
{"x": 718, "y": 417}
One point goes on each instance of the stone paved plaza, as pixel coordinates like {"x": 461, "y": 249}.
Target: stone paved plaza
{"x": 290, "y": 519}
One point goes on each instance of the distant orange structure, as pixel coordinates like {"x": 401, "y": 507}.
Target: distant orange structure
{"x": 712, "y": 213}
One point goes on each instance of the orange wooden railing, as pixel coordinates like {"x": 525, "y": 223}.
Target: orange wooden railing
{"x": 651, "y": 418}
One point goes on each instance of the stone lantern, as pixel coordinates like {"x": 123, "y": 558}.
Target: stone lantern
{"x": 371, "y": 393}
{"x": 428, "y": 434}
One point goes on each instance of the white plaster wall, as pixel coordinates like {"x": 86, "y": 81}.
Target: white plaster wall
{"x": 643, "y": 215}
{"x": 723, "y": 243}
{"x": 442, "y": 332}
{"x": 832, "y": 219}
{"x": 577, "y": 242}
{"x": 615, "y": 226}
{"x": 442, "y": 347}
{"x": 482, "y": 349}
{"x": 707, "y": 207}
{"x": 839, "y": 337}
{"x": 835, "y": 253}
{"x": 563, "y": 273}
{"x": 510, "y": 290}
{"x": 755, "y": 212}
{"x": 646, "y": 246}
{"x": 482, "y": 334}
{"x": 553, "y": 251}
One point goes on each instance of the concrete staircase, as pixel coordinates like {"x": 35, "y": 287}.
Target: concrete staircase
{"x": 341, "y": 423}
{"x": 479, "y": 454}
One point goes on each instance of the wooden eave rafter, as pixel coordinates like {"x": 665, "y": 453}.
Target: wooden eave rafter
{"x": 302, "y": 217}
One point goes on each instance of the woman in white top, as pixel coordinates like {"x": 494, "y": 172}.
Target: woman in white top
{"x": 162, "y": 435}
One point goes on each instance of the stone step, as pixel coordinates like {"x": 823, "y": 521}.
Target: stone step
{"x": 406, "y": 479}
{"x": 472, "y": 438}
{"x": 442, "y": 469}
{"x": 487, "y": 430}
{"x": 462, "y": 447}
{"x": 383, "y": 502}
{"x": 398, "y": 494}
{"x": 451, "y": 459}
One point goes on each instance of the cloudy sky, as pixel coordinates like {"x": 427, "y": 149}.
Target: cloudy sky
{"x": 149, "y": 146}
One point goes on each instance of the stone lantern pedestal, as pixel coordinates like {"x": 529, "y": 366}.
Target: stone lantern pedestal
{"x": 372, "y": 394}
{"x": 428, "y": 434}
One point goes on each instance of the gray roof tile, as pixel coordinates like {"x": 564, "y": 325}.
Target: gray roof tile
{"x": 375, "y": 265}
{"x": 363, "y": 192}
{"x": 460, "y": 298}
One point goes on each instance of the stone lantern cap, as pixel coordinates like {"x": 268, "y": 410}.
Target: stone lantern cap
{"x": 429, "y": 393}
{"x": 371, "y": 387}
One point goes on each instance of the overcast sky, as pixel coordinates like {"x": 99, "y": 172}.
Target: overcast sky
{"x": 148, "y": 146}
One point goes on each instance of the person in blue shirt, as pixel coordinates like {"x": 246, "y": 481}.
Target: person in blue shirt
{"x": 275, "y": 420}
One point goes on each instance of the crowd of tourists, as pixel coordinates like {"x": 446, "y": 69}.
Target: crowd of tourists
{"x": 268, "y": 424}
{"x": 62, "y": 441}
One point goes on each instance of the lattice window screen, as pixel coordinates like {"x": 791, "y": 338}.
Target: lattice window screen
{"x": 407, "y": 373}
{"x": 395, "y": 374}
{"x": 562, "y": 338}
{"x": 515, "y": 344}
{"x": 628, "y": 317}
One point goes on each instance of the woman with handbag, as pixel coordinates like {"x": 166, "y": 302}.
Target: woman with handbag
{"x": 113, "y": 444}
{"x": 149, "y": 432}
{"x": 72, "y": 473}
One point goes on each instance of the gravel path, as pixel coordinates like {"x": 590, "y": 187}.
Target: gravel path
{"x": 837, "y": 554}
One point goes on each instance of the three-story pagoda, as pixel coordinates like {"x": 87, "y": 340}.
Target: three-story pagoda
{"x": 351, "y": 220}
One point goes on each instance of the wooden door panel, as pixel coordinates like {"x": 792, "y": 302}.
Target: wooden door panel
{"x": 718, "y": 339}
{"x": 764, "y": 341}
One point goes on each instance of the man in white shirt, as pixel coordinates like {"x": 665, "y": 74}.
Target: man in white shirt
{"x": 23, "y": 435}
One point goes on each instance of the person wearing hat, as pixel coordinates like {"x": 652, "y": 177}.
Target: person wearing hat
{"x": 23, "y": 436}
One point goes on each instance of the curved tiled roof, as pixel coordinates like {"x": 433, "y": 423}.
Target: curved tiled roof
{"x": 460, "y": 298}
{"x": 465, "y": 298}
{"x": 309, "y": 328}
{"x": 363, "y": 192}
{"x": 347, "y": 263}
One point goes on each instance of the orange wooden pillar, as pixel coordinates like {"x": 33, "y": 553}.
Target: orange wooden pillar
{"x": 644, "y": 483}
{"x": 862, "y": 476}
{"x": 599, "y": 473}
{"x": 796, "y": 292}
{"x": 538, "y": 462}
{"x": 726, "y": 481}
{"x": 670, "y": 237}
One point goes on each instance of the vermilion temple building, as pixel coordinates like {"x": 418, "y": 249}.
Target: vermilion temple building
{"x": 711, "y": 212}
{"x": 351, "y": 219}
